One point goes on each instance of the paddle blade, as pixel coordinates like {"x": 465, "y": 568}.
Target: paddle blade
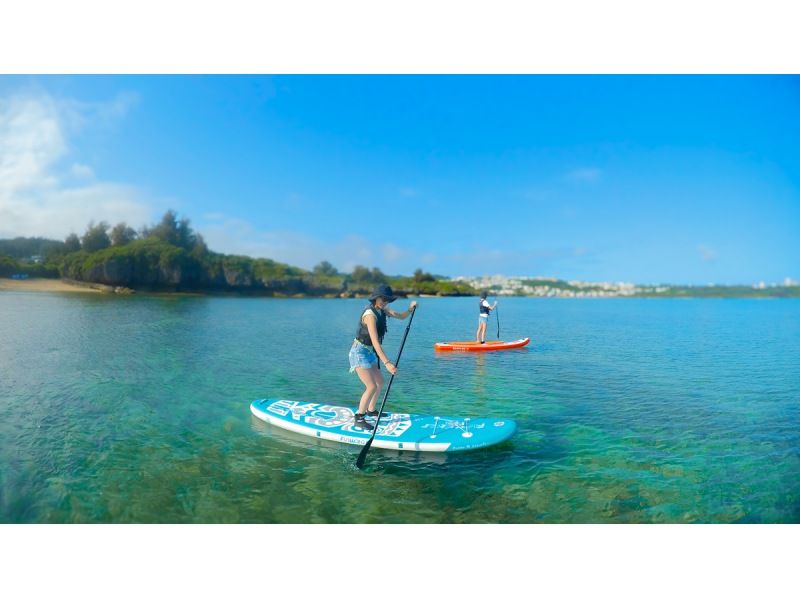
{"x": 362, "y": 456}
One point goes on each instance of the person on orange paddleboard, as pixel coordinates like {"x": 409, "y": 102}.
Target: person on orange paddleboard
{"x": 483, "y": 317}
{"x": 366, "y": 350}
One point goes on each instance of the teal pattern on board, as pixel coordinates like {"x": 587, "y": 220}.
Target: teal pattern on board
{"x": 396, "y": 431}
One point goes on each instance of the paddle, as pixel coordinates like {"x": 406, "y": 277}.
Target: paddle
{"x": 362, "y": 456}
{"x": 497, "y": 313}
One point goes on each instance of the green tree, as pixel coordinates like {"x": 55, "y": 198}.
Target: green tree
{"x": 186, "y": 236}
{"x": 122, "y": 234}
{"x": 72, "y": 243}
{"x": 172, "y": 231}
{"x": 25, "y": 247}
{"x": 96, "y": 237}
{"x": 167, "y": 229}
{"x": 420, "y": 276}
{"x": 325, "y": 268}
{"x": 361, "y": 275}
{"x": 199, "y": 247}
{"x": 377, "y": 276}
{"x": 8, "y": 266}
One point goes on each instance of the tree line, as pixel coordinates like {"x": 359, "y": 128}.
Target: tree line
{"x": 170, "y": 255}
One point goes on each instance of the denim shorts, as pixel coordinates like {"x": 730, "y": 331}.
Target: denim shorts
{"x": 483, "y": 320}
{"x": 361, "y": 356}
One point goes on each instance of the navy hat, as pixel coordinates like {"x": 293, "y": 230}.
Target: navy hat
{"x": 483, "y": 294}
{"x": 383, "y": 290}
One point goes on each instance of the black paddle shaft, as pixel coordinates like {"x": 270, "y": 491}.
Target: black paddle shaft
{"x": 362, "y": 456}
{"x": 497, "y": 313}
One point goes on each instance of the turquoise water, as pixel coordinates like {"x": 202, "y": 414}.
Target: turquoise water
{"x": 136, "y": 409}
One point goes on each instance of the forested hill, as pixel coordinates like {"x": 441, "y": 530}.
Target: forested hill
{"x": 170, "y": 256}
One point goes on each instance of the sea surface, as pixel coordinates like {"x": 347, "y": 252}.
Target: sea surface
{"x": 136, "y": 409}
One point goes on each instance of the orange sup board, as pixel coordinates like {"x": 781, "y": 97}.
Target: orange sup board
{"x": 476, "y": 346}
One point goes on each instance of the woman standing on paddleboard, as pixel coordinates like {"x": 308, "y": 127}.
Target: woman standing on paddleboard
{"x": 366, "y": 350}
{"x": 483, "y": 318}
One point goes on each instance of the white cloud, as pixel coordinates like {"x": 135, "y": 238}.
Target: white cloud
{"x": 31, "y": 141}
{"x": 481, "y": 260}
{"x": 81, "y": 171}
{"x": 707, "y": 254}
{"x": 231, "y": 235}
{"x": 393, "y": 253}
{"x": 36, "y": 197}
{"x": 115, "y": 109}
{"x": 236, "y": 236}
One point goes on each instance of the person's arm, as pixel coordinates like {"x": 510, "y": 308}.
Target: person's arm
{"x": 402, "y": 315}
{"x": 493, "y": 306}
{"x": 372, "y": 326}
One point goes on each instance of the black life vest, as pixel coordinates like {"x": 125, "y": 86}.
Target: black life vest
{"x": 362, "y": 332}
{"x": 484, "y": 308}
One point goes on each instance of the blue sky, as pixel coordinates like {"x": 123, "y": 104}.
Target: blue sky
{"x": 690, "y": 179}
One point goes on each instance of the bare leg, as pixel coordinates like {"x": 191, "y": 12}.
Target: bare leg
{"x": 377, "y": 380}
{"x": 478, "y": 333}
{"x": 365, "y": 375}
{"x": 482, "y": 332}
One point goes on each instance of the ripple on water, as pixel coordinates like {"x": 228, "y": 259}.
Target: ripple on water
{"x": 627, "y": 411}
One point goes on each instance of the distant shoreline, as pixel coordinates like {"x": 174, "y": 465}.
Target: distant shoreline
{"x": 64, "y": 285}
